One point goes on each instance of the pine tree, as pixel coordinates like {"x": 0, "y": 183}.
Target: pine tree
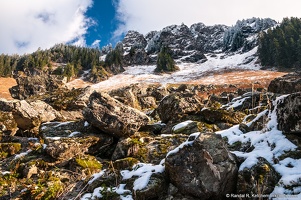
{"x": 165, "y": 62}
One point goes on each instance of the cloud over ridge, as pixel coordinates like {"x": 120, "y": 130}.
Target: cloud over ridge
{"x": 147, "y": 15}
{"x": 28, "y": 25}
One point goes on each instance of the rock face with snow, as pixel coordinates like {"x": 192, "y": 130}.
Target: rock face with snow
{"x": 205, "y": 169}
{"x": 259, "y": 179}
{"x": 190, "y": 44}
{"x": 113, "y": 117}
{"x": 289, "y": 120}
{"x": 244, "y": 33}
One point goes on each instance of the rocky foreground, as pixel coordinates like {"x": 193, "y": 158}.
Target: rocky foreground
{"x": 151, "y": 142}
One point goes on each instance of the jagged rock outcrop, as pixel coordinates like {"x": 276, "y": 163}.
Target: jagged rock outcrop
{"x": 134, "y": 45}
{"x": 240, "y": 35}
{"x": 190, "y": 44}
{"x": 286, "y": 84}
{"x": 22, "y": 114}
{"x": 288, "y": 114}
{"x": 204, "y": 169}
{"x": 113, "y": 117}
{"x": 104, "y": 145}
{"x": 36, "y": 85}
{"x": 209, "y": 38}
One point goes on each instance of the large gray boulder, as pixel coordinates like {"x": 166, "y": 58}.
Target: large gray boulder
{"x": 36, "y": 85}
{"x": 113, "y": 117}
{"x": 172, "y": 106}
{"x": 286, "y": 84}
{"x": 259, "y": 179}
{"x": 204, "y": 169}
{"x": 289, "y": 114}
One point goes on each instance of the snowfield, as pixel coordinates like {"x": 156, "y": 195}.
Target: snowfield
{"x": 188, "y": 71}
{"x": 219, "y": 69}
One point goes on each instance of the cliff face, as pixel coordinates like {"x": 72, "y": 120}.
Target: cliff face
{"x": 150, "y": 141}
{"x": 189, "y": 44}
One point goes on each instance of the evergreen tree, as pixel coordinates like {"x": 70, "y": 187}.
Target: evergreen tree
{"x": 165, "y": 62}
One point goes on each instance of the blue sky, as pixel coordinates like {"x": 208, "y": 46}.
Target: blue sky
{"x": 32, "y": 24}
{"x": 104, "y": 15}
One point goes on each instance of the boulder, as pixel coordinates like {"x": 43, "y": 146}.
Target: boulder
{"x": 203, "y": 169}
{"x": 146, "y": 148}
{"x": 113, "y": 117}
{"x": 286, "y": 84}
{"x": 78, "y": 130}
{"x": 289, "y": 114}
{"x": 8, "y": 124}
{"x": 65, "y": 149}
{"x": 140, "y": 96}
{"x": 36, "y": 85}
{"x": 45, "y": 111}
{"x": 259, "y": 179}
{"x": 174, "y": 105}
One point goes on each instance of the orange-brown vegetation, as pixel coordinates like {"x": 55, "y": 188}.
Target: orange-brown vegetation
{"x": 5, "y": 84}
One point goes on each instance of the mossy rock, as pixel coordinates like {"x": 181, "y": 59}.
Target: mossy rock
{"x": 7, "y": 180}
{"x": 259, "y": 179}
{"x": 125, "y": 163}
{"x": 9, "y": 149}
{"x": 147, "y": 149}
{"x": 45, "y": 189}
{"x": 214, "y": 116}
{"x": 8, "y": 123}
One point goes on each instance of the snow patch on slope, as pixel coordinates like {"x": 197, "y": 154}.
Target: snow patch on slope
{"x": 187, "y": 72}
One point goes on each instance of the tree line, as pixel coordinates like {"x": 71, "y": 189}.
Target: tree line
{"x": 281, "y": 46}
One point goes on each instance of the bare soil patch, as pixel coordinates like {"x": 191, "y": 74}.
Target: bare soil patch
{"x": 5, "y": 84}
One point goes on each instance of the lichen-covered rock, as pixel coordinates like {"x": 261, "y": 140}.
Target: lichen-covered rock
{"x": 19, "y": 113}
{"x": 113, "y": 117}
{"x": 8, "y": 125}
{"x": 289, "y": 114}
{"x": 286, "y": 84}
{"x": 77, "y": 130}
{"x": 140, "y": 96}
{"x": 45, "y": 111}
{"x": 221, "y": 116}
{"x": 259, "y": 179}
{"x": 9, "y": 149}
{"x": 147, "y": 148}
{"x": 205, "y": 169}
{"x": 67, "y": 148}
{"x": 26, "y": 117}
{"x": 173, "y": 106}
{"x": 36, "y": 85}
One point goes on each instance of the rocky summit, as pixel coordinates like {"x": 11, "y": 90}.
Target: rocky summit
{"x": 170, "y": 138}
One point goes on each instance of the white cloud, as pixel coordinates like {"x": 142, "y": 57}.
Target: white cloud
{"x": 95, "y": 44}
{"x": 28, "y": 25}
{"x": 147, "y": 15}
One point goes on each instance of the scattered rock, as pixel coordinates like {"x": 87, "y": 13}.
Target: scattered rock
{"x": 205, "y": 169}
{"x": 286, "y": 84}
{"x": 288, "y": 114}
{"x": 259, "y": 179}
{"x": 113, "y": 117}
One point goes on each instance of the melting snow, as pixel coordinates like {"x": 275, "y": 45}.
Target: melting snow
{"x": 269, "y": 143}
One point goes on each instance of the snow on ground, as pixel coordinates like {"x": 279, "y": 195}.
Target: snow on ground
{"x": 219, "y": 69}
{"x": 187, "y": 72}
{"x": 270, "y": 143}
